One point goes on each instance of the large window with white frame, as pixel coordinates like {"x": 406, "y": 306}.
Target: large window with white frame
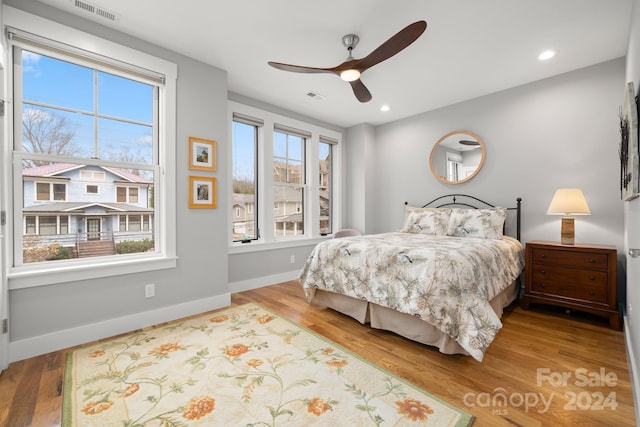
{"x": 287, "y": 166}
{"x": 81, "y": 117}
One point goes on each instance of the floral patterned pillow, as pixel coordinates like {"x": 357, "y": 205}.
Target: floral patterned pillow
{"x": 481, "y": 223}
{"x": 426, "y": 220}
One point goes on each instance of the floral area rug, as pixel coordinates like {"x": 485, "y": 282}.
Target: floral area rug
{"x": 241, "y": 366}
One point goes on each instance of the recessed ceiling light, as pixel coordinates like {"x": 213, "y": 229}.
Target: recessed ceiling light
{"x": 547, "y": 54}
{"x": 385, "y": 108}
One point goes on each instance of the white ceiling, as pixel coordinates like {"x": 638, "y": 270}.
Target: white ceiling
{"x": 470, "y": 48}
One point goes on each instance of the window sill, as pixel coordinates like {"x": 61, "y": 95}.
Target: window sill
{"x": 31, "y": 276}
{"x": 256, "y": 246}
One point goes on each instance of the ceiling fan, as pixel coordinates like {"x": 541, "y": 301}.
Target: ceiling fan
{"x": 351, "y": 69}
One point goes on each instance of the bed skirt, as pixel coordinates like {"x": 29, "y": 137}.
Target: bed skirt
{"x": 403, "y": 324}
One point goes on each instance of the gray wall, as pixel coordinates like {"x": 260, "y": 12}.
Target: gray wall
{"x": 201, "y": 234}
{"x": 558, "y": 132}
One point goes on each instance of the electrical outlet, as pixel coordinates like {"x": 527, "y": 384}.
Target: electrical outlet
{"x": 293, "y": 259}
{"x": 149, "y": 290}
{"x": 629, "y": 309}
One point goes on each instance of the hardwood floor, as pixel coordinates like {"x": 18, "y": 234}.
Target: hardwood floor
{"x": 525, "y": 364}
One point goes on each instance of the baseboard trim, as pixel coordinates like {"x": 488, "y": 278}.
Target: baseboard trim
{"x": 42, "y": 344}
{"x": 260, "y": 282}
{"x": 633, "y": 368}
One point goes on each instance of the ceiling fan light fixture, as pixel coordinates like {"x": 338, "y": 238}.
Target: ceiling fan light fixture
{"x": 350, "y": 75}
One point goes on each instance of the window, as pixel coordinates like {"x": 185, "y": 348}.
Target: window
{"x": 46, "y": 191}
{"x": 245, "y": 172}
{"x": 288, "y": 181}
{"x": 283, "y": 178}
{"x": 325, "y": 169}
{"x": 116, "y": 116}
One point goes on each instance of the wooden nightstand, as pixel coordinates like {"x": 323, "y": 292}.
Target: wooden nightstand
{"x": 578, "y": 277}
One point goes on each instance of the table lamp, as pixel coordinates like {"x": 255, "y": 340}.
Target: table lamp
{"x": 568, "y": 202}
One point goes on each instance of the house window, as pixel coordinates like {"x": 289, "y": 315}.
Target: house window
{"x": 245, "y": 172}
{"x": 46, "y": 191}
{"x": 116, "y": 116}
{"x": 127, "y": 194}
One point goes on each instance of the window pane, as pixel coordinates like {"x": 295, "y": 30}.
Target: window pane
{"x": 64, "y": 225}
{"x": 133, "y": 195}
{"x": 121, "y": 195}
{"x": 43, "y": 190}
{"x": 324, "y": 192}
{"x": 92, "y": 189}
{"x": 112, "y": 90}
{"x": 30, "y": 223}
{"x": 48, "y": 225}
{"x": 57, "y": 132}
{"x": 52, "y": 81}
{"x": 125, "y": 142}
{"x": 59, "y": 191}
{"x": 134, "y": 223}
{"x": 244, "y": 220}
{"x": 289, "y": 217}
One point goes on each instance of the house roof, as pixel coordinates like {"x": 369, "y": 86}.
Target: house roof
{"x": 82, "y": 207}
{"x": 53, "y": 169}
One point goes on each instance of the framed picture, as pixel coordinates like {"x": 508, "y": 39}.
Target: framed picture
{"x": 628, "y": 150}
{"x": 202, "y": 192}
{"x": 202, "y": 154}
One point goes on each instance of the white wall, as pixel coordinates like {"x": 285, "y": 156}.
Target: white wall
{"x": 48, "y": 317}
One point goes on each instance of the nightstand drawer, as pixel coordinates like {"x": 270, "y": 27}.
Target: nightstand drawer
{"x": 570, "y": 259}
{"x": 564, "y": 276}
{"x": 576, "y": 291}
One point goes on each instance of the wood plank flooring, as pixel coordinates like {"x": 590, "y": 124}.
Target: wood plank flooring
{"x": 519, "y": 383}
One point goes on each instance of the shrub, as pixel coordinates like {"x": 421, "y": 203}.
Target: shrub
{"x": 134, "y": 246}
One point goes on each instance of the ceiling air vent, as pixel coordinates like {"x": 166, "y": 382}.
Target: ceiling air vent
{"x": 96, "y": 10}
{"x": 315, "y": 95}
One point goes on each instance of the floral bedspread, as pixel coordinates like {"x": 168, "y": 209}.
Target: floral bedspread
{"x": 446, "y": 281}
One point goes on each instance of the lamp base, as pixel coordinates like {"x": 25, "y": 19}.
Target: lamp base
{"x": 567, "y": 233}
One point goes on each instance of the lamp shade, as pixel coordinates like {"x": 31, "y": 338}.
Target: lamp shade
{"x": 568, "y": 202}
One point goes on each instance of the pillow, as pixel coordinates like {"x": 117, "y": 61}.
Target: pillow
{"x": 426, "y": 220}
{"x": 481, "y": 223}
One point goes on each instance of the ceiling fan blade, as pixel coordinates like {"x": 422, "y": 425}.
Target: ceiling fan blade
{"x": 395, "y": 44}
{"x": 360, "y": 91}
{"x": 300, "y": 68}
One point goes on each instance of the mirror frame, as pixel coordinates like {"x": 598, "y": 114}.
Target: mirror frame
{"x": 445, "y": 136}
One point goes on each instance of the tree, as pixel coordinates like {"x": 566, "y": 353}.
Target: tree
{"x": 47, "y": 133}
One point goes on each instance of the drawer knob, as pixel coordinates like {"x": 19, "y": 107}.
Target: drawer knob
{"x": 542, "y": 285}
{"x": 543, "y": 255}
{"x": 592, "y": 277}
{"x": 543, "y": 271}
{"x": 592, "y": 293}
{"x": 592, "y": 261}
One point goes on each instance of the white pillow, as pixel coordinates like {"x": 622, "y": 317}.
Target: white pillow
{"x": 481, "y": 223}
{"x": 426, "y": 220}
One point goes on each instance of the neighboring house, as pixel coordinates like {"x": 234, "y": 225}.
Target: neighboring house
{"x": 71, "y": 204}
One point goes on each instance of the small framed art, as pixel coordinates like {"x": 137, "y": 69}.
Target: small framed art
{"x": 202, "y": 154}
{"x": 202, "y": 192}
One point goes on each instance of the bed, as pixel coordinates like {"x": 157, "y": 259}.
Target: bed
{"x": 442, "y": 280}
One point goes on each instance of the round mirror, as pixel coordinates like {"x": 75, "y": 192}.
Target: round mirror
{"x": 457, "y": 157}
